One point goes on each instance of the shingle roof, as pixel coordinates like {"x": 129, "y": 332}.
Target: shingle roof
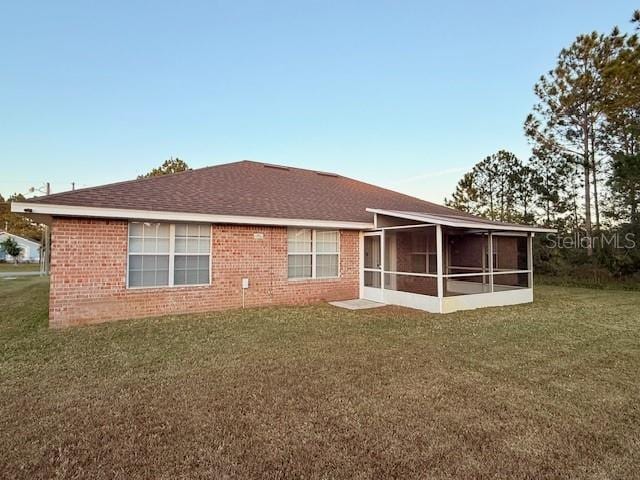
{"x": 248, "y": 188}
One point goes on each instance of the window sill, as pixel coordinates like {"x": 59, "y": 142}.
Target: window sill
{"x": 168, "y": 287}
{"x": 314, "y": 280}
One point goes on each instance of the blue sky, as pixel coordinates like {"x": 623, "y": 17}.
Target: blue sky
{"x": 407, "y": 95}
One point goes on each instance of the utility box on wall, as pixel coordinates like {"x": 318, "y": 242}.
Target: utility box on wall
{"x": 245, "y": 283}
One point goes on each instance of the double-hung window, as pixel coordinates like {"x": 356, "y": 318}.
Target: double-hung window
{"x": 162, "y": 254}
{"x": 313, "y": 253}
{"x": 191, "y": 261}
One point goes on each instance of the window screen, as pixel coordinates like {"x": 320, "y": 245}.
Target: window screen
{"x": 149, "y": 254}
{"x": 313, "y": 253}
{"x": 326, "y": 254}
{"x": 191, "y": 261}
{"x": 162, "y": 254}
{"x": 299, "y": 243}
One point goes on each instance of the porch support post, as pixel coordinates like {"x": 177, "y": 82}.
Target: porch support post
{"x": 530, "y": 258}
{"x": 440, "y": 258}
{"x": 490, "y": 260}
{"x": 382, "y": 261}
{"x": 360, "y": 264}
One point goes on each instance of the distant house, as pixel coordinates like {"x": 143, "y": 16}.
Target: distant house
{"x": 254, "y": 234}
{"x": 30, "y": 248}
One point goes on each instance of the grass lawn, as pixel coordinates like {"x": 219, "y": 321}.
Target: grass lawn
{"x": 21, "y": 267}
{"x": 549, "y": 390}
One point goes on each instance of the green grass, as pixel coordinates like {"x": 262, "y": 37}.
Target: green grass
{"x": 21, "y": 267}
{"x": 549, "y": 390}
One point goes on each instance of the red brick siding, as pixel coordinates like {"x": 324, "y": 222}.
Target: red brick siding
{"x": 89, "y": 261}
{"x": 466, "y": 250}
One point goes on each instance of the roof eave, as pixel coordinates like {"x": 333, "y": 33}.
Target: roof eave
{"x": 462, "y": 223}
{"x": 43, "y": 210}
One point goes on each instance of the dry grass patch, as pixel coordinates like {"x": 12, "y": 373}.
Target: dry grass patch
{"x": 548, "y": 390}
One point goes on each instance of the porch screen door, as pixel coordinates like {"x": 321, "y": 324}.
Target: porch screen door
{"x": 372, "y": 271}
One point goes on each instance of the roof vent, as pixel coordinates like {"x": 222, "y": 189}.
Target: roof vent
{"x": 277, "y": 167}
{"x": 328, "y": 174}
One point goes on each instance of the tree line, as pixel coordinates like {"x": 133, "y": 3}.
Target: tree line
{"x": 584, "y": 173}
{"x": 17, "y": 224}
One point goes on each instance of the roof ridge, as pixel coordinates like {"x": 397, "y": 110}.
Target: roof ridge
{"x": 364, "y": 183}
{"x": 191, "y": 170}
{"x": 254, "y": 189}
{"x": 209, "y": 167}
{"x": 289, "y": 167}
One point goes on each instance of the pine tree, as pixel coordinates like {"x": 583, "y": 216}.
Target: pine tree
{"x": 494, "y": 188}
{"x": 552, "y": 184}
{"x": 622, "y": 129}
{"x": 465, "y": 197}
{"x": 570, "y": 109}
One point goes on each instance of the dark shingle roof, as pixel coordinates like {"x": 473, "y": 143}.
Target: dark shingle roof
{"x": 250, "y": 188}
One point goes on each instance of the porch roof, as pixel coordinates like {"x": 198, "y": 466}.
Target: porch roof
{"x": 459, "y": 221}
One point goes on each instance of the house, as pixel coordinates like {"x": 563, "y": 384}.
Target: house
{"x": 249, "y": 233}
{"x": 30, "y": 248}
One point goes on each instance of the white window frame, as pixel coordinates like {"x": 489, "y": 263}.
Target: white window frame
{"x": 314, "y": 254}
{"x": 172, "y": 254}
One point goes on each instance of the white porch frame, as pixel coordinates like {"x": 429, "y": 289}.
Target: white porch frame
{"x": 371, "y": 293}
{"x": 442, "y": 303}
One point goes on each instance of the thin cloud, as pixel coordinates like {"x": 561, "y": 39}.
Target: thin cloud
{"x": 439, "y": 173}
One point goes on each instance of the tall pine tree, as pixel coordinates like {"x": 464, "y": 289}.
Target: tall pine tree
{"x": 570, "y": 110}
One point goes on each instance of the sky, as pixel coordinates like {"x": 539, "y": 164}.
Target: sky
{"x": 406, "y": 95}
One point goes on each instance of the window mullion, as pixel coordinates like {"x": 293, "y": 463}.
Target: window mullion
{"x": 314, "y": 263}
{"x": 172, "y": 249}
{"x": 339, "y": 237}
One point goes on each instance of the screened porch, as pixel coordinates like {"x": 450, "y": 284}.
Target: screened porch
{"x": 433, "y": 264}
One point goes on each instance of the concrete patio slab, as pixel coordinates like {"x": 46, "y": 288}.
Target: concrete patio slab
{"x": 357, "y": 304}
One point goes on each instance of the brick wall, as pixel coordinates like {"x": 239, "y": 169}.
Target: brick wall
{"x": 510, "y": 251}
{"x": 89, "y": 261}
